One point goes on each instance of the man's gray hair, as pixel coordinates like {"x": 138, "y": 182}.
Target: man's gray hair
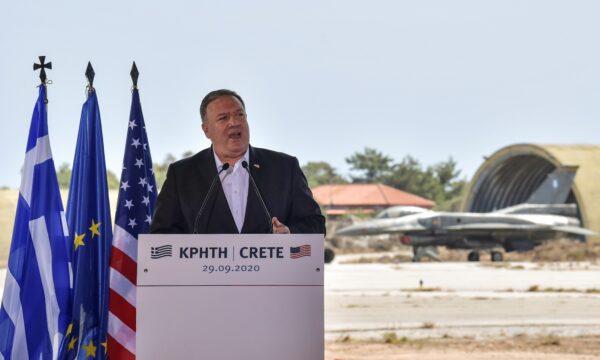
{"x": 214, "y": 95}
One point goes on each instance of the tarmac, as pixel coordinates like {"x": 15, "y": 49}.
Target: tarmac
{"x": 479, "y": 300}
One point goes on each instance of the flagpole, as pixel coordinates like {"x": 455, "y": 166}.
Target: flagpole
{"x": 43, "y": 65}
{"x": 35, "y": 302}
{"x": 137, "y": 197}
{"x": 134, "y": 76}
{"x": 90, "y": 74}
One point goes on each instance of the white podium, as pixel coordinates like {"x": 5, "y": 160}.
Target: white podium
{"x": 230, "y": 297}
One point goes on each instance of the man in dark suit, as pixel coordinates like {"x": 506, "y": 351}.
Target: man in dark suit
{"x": 234, "y": 205}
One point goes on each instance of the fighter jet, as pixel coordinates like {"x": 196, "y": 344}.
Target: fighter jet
{"x": 522, "y": 227}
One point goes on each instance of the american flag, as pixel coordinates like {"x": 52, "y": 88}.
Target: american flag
{"x": 300, "y": 251}
{"x": 135, "y": 205}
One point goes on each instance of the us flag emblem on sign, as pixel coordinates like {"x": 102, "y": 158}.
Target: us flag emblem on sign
{"x": 300, "y": 251}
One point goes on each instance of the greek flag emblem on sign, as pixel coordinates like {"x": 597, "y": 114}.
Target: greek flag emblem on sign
{"x": 161, "y": 251}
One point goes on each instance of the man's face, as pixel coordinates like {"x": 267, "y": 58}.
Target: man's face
{"x": 226, "y": 127}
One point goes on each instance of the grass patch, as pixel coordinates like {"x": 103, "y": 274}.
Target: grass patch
{"x": 355, "y": 306}
{"x": 423, "y": 289}
{"x": 8, "y": 207}
{"x": 502, "y": 265}
{"x": 392, "y": 338}
{"x": 384, "y": 259}
{"x": 504, "y": 345}
{"x": 537, "y": 288}
{"x": 344, "y": 339}
{"x": 550, "y": 340}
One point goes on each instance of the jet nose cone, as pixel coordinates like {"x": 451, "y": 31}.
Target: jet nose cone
{"x": 348, "y": 231}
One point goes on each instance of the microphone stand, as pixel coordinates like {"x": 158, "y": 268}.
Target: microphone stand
{"x": 210, "y": 190}
{"x": 262, "y": 202}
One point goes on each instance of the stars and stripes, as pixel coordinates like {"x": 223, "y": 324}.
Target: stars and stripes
{"x": 133, "y": 217}
{"x": 34, "y": 311}
{"x": 299, "y": 251}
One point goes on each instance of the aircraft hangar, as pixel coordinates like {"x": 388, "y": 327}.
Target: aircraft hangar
{"x": 511, "y": 174}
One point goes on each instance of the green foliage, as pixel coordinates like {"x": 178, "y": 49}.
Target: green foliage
{"x": 64, "y": 177}
{"x": 440, "y": 182}
{"x": 112, "y": 180}
{"x": 187, "y": 154}
{"x": 321, "y": 173}
{"x": 372, "y": 165}
{"x": 160, "y": 169}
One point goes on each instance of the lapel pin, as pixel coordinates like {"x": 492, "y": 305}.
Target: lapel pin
{"x": 256, "y": 166}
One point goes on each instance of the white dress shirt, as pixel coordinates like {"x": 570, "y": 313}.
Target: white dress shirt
{"x": 235, "y": 185}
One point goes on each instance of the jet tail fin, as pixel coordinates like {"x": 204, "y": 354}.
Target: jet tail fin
{"x": 555, "y": 189}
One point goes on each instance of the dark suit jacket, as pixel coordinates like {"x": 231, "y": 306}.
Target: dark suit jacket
{"x": 278, "y": 178}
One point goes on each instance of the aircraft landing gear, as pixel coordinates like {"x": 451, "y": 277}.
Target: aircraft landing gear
{"x": 496, "y": 256}
{"x": 420, "y": 252}
{"x": 473, "y": 256}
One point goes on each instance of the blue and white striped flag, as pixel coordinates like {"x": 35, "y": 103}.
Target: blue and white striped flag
{"x": 33, "y": 316}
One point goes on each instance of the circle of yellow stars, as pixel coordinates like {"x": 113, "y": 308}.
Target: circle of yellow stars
{"x": 79, "y": 238}
{"x": 89, "y": 348}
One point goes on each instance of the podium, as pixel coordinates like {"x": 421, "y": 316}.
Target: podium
{"x": 219, "y": 297}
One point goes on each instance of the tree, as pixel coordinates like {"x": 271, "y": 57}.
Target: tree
{"x": 64, "y": 176}
{"x": 321, "y": 173}
{"x": 409, "y": 175}
{"x": 453, "y": 186}
{"x": 372, "y": 165}
{"x": 187, "y": 154}
{"x": 160, "y": 169}
{"x": 112, "y": 180}
{"x": 448, "y": 176}
{"x": 440, "y": 182}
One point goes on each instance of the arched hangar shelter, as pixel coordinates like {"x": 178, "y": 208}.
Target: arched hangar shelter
{"x": 511, "y": 174}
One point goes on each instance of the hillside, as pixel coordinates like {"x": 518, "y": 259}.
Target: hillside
{"x": 8, "y": 207}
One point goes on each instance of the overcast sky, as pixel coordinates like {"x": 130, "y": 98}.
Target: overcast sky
{"x": 321, "y": 79}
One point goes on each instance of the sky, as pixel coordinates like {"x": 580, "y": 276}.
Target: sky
{"x": 321, "y": 79}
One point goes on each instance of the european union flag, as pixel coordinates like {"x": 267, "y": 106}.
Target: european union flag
{"x": 34, "y": 312}
{"x": 88, "y": 216}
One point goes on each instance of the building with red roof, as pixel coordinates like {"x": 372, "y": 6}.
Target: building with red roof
{"x": 341, "y": 199}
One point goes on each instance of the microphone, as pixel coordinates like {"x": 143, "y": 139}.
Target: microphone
{"x": 262, "y": 202}
{"x": 224, "y": 167}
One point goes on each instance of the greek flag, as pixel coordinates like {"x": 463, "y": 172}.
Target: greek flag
{"x": 33, "y": 316}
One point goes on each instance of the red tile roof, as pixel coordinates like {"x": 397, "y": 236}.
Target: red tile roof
{"x": 367, "y": 195}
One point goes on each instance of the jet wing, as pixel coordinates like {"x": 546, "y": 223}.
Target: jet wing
{"x": 495, "y": 228}
{"x": 576, "y": 230}
{"x": 390, "y": 230}
{"x": 499, "y": 228}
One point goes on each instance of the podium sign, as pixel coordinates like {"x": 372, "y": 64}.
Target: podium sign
{"x": 216, "y": 297}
